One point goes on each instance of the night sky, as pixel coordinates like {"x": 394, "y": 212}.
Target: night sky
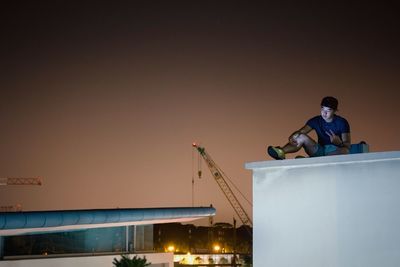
{"x": 103, "y": 99}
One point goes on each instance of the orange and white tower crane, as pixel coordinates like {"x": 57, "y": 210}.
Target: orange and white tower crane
{"x": 219, "y": 177}
{"x": 21, "y": 181}
{"x": 18, "y": 181}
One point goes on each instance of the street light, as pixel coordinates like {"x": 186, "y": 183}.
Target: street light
{"x": 171, "y": 248}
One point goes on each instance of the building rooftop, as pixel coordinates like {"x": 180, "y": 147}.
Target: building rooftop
{"x": 16, "y": 223}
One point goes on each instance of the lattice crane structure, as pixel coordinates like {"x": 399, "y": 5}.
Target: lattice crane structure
{"x": 17, "y": 181}
{"x": 219, "y": 177}
{"x": 21, "y": 181}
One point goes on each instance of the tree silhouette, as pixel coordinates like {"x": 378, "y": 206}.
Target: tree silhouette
{"x": 136, "y": 261}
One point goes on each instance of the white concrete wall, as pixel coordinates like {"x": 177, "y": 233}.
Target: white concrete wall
{"x": 157, "y": 260}
{"x": 337, "y": 211}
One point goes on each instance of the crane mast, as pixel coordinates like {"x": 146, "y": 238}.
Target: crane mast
{"x": 219, "y": 178}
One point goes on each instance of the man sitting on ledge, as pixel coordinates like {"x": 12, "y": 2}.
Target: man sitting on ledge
{"x": 333, "y": 133}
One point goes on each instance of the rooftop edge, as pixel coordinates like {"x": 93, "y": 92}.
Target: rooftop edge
{"x": 326, "y": 160}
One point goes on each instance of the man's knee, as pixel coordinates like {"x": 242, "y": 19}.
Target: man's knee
{"x": 302, "y": 138}
{"x": 309, "y": 145}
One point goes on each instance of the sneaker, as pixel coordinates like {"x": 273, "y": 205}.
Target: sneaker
{"x": 276, "y": 152}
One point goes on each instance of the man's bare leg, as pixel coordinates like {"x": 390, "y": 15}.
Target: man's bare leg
{"x": 309, "y": 145}
{"x": 290, "y": 148}
{"x": 299, "y": 141}
{"x": 302, "y": 141}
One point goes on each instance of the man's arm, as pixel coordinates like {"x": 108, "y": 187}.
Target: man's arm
{"x": 346, "y": 140}
{"x": 304, "y": 130}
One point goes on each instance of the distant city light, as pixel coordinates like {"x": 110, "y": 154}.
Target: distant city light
{"x": 203, "y": 258}
{"x": 171, "y": 248}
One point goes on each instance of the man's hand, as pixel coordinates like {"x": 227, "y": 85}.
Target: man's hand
{"x": 293, "y": 137}
{"x": 334, "y": 138}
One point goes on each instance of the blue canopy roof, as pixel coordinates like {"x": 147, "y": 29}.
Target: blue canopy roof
{"x": 32, "y": 221}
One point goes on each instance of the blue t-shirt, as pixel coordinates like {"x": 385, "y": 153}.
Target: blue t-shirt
{"x": 338, "y": 125}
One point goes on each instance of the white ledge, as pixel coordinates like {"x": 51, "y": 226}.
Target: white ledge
{"x": 327, "y": 160}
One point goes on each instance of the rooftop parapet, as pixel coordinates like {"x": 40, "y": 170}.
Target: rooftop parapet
{"x": 328, "y": 211}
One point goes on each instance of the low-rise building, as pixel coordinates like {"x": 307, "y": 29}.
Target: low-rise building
{"x": 87, "y": 237}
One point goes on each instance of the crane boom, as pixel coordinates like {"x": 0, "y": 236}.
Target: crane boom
{"x": 21, "y": 181}
{"x": 219, "y": 178}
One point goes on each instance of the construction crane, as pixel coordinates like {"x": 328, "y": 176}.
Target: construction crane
{"x": 18, "y": 181}
{"x": 219, "y": 177}
{"x": 11, "y": 208}
{"x": 21, "y": 181}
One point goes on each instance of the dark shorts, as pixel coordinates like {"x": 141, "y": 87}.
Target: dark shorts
{"x": 324, "y": 150}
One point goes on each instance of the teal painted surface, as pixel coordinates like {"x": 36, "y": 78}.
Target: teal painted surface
{"x": 42, "y": 219}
